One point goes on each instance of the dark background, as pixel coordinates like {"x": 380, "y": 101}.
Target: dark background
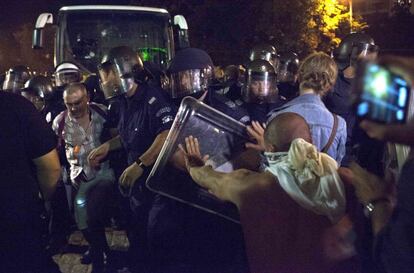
{"x": 226, "y": 29}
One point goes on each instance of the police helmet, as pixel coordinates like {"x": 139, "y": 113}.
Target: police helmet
{"x": 66, "y": 73}
{"x": 190, "y": 71}
{"x": 16, "y": 77}
{"x": 38, "y": 90}
{"x": 265, "y": 52}
{"x": 288, "y": 67}
{"x": 354, "y": 45}
{"x": 260, "y": 83}
{"x": 119, "y": 70}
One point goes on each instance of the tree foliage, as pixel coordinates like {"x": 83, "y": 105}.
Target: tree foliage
{"x": 310, "y": 25}
{"x": 228, "y": 29}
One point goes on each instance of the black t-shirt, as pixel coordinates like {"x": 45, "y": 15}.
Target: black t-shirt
{"x": 24, "y": 135}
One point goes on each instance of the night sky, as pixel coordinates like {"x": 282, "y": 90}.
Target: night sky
{"x": 17, "y": 12}
{"x": 227, "y": 44}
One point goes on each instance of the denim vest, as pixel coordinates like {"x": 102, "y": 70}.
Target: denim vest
{"x": 320, "y": 121}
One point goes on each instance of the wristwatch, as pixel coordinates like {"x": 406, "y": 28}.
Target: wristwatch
{"x": 140, "y": 164}
{"x": 370, "y": 206}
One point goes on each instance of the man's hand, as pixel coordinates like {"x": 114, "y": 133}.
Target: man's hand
{"x": 256, "y": 132}
{"x": 96, "y": 155}
{"x": 130, "y": 175}
{"x": 192, "y": 155}
{"x": 368, "y": 186}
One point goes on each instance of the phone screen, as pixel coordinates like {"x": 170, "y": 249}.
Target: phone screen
{"x": 384, "y": 96}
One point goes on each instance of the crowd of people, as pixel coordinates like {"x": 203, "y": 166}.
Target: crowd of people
{"x": 325, "y": 195}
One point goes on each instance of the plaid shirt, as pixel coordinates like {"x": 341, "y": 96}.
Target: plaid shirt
{"x": 80, "y": 142}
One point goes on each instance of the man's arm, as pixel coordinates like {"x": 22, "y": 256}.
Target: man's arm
{"x": 134, "y": 171}
{"x": 97, "y": 155}
{"x": 48, "y": 172}
{"x": 150, "y": 156}
{"x": 368, "y": 188}
{"x": 381, "y": 216}
{"x": 396, "y": 133}
{"x": 225, "y": 186}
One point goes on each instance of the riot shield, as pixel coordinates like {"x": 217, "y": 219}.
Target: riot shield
{"x": 221, "y": 137}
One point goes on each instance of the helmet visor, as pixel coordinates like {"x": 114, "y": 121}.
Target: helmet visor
{"x": 284, "y": 74}
{"x": 13, "y": 81}
{"x": 189, "y": 82}
{"x": 260, "y": 88}
{"x": 127, "y": 70}
{"x": 109, "y": 81}
{"x": 65, "y": 77}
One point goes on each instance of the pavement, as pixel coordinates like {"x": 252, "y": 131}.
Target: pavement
{"x": 69, "y": 260}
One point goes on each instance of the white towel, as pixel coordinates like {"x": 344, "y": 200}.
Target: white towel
{"x": 310, "y": 178}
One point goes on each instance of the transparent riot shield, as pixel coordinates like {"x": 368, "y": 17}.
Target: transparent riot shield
{"x": 219, "y": 136}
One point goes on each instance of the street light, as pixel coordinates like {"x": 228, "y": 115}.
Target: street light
{"x": 350, "y": 15}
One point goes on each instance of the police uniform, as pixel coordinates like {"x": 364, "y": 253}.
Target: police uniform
{"x": 186, "y": 239}
{"x": 258, "y": 112}
{"x": 230, "y": 108}
{"x": 183, "y": 238}
{"x": 142, "y": 117}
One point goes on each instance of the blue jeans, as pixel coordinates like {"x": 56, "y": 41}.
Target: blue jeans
{"x": 103, "y": 179}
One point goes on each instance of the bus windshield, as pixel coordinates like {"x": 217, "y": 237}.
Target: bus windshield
{"x": 87, "y": 36}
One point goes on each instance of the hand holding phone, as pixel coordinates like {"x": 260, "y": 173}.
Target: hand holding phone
{"x": 382, "y": 95}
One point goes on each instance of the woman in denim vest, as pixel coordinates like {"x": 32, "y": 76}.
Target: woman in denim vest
{"x": 317, "y": 74}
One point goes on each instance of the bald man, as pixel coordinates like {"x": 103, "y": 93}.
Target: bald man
{"x": 283, "y": 216}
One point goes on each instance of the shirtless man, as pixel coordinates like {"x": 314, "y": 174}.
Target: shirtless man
{"x": 282, "y": 234}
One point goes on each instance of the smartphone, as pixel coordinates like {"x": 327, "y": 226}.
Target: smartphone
{"x": 382, "y": 95}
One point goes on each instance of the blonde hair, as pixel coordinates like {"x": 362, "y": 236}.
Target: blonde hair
{"x": 318, "y": 72}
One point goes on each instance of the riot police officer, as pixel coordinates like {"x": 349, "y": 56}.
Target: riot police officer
{"x": 231, "y": 83}
{"x": 39, "y": 90}
{"x": 287, "y": 81}
{"x": 183, "y": 238}
{"x": 191, "y": 74}
{"x": 353, "y": 47}
{"x": 144, "y": 121}
{"x": 66, "y": 73}
{"x": 259, "y": 92}
{"x": 16, "y": 77}
{"x": 35, "y": 96}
